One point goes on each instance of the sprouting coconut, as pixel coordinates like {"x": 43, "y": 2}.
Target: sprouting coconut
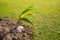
{"x": 11, "y": 30}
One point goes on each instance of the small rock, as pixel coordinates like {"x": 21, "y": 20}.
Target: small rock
{"x": 20, "y": 28}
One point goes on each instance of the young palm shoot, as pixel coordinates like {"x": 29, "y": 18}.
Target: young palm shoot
{"x": 24, "y": 13}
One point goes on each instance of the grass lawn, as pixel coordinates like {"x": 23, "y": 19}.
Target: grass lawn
{"x": 46, "y": 16}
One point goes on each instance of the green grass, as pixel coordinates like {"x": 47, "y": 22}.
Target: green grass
{"x": 46, "y": 16}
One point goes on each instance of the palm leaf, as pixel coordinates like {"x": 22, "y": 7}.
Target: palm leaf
{"x": 26, "y": 20}
{"x": 24, "y": 13}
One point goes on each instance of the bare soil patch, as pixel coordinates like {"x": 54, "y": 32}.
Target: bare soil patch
{"x": 9, "y": 30}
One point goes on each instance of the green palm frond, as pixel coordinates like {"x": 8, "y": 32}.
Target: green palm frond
{"x": 26, "y": 20}
{"x": 25, "y": 12}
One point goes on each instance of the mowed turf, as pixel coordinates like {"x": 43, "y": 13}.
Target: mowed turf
{"x": 46, "y": 16}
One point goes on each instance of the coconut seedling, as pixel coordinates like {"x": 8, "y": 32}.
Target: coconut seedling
{"x": 23, "y": 18}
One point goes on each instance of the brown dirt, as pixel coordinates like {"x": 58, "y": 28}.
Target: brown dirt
{"x": 8, "y": 30}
